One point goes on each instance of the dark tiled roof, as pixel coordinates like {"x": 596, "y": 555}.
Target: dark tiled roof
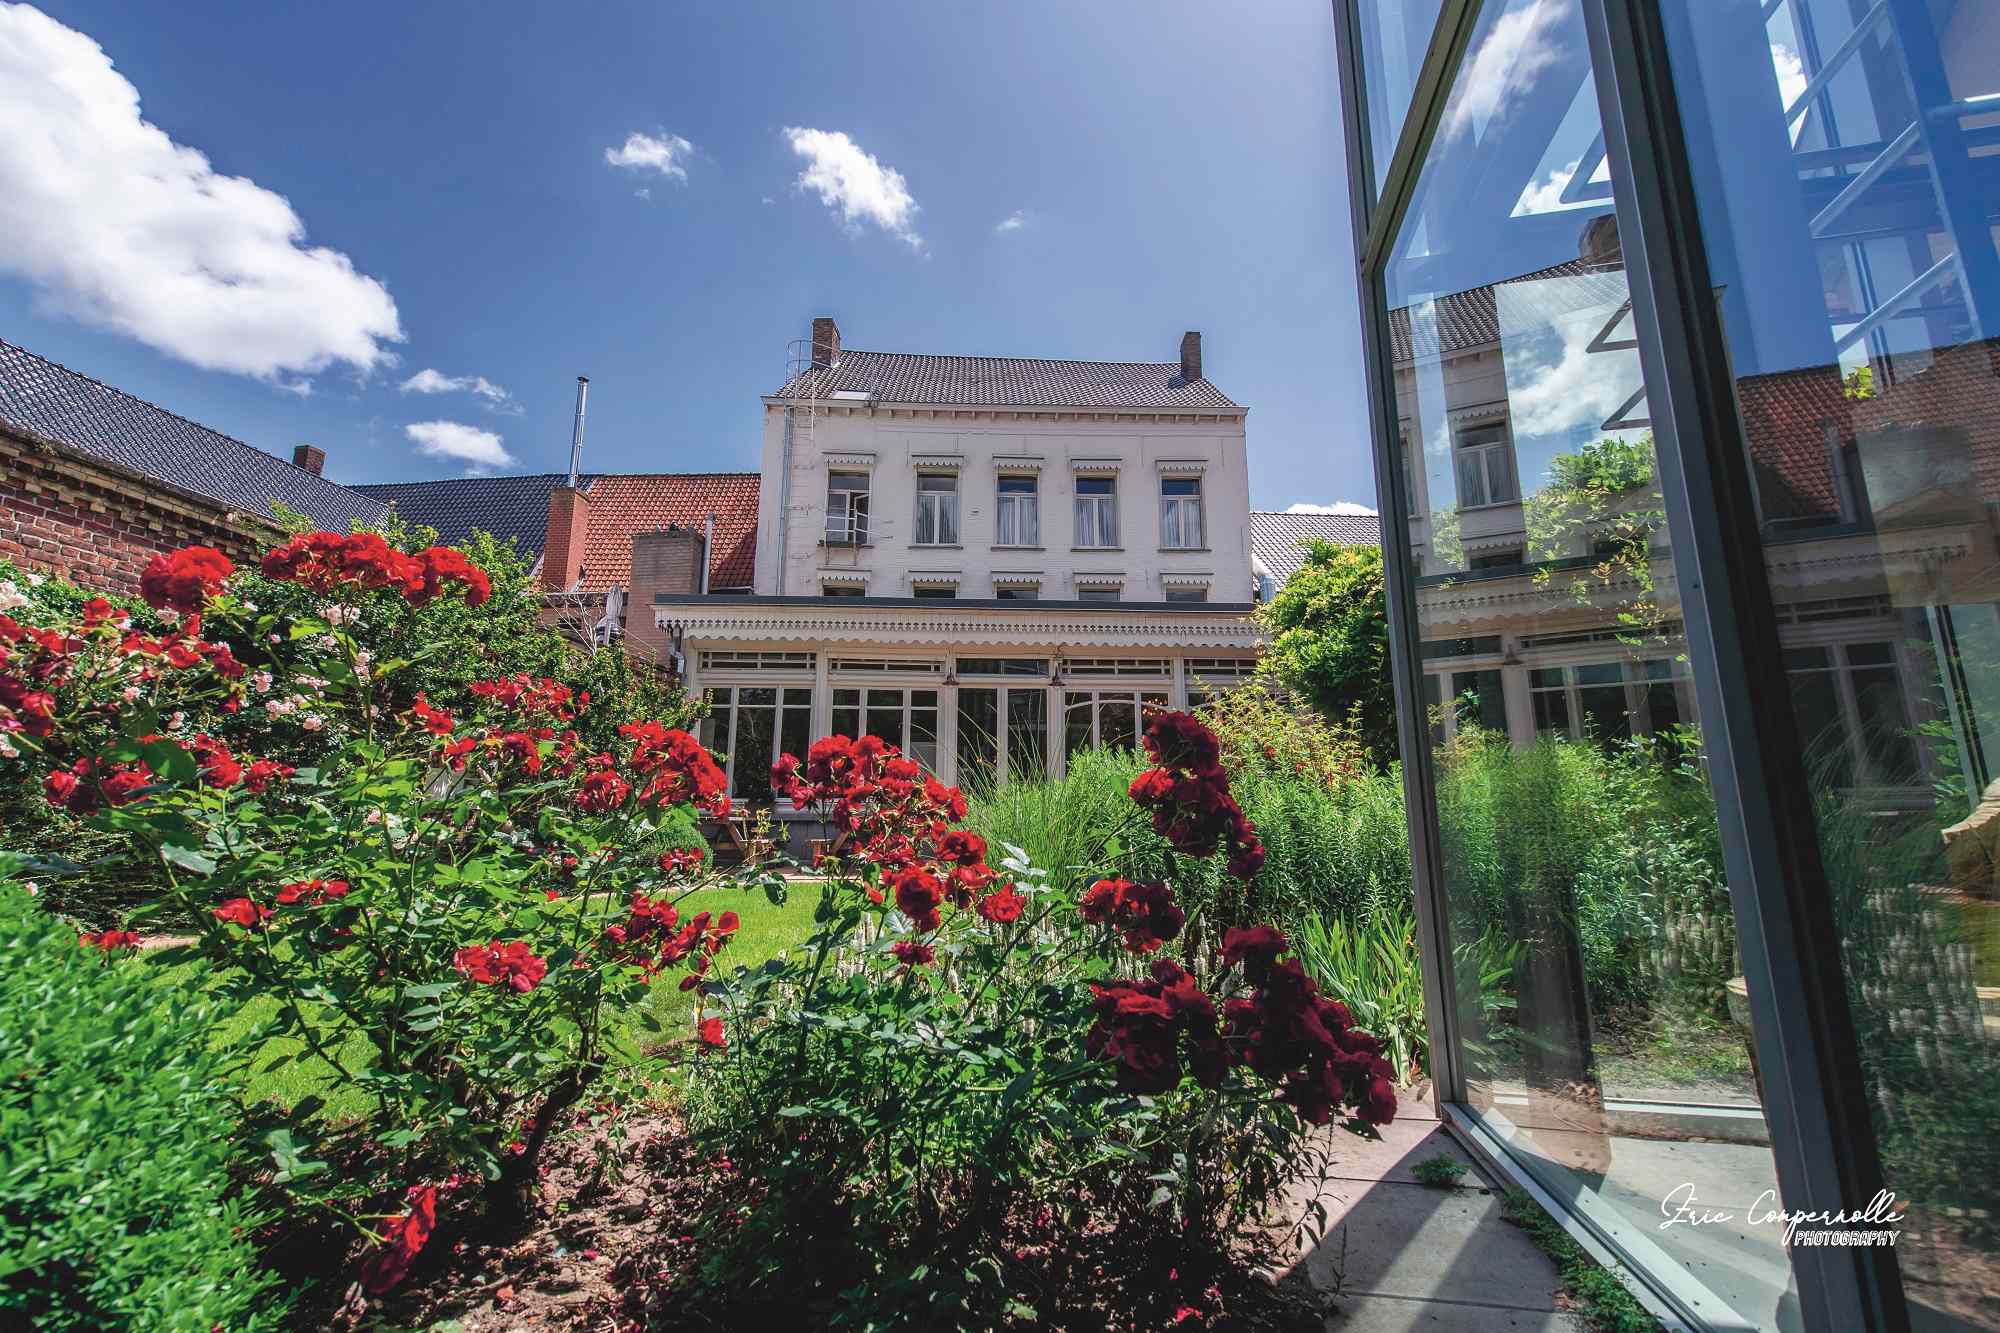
{"x": 1463, "y": 320}
{"x": 1006, "y": 381}
{"x": 511, "y": 508}
{"x": 623, "y": 505}
{"x": 1279, "y": 539}
{"x": 49, "y": 401}
{"x": 620, "y": 505}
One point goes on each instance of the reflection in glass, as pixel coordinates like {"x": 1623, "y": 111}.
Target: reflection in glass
{"x": 1589, "y": 915}
{"x": 1394, "y": 36}
{"x": 1844, "y": 158}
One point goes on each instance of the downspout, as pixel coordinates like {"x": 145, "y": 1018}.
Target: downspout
{"x": 784, "y": 495}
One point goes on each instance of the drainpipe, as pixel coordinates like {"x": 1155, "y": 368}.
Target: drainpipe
{"x": 784, "y": 496}
{"x": 576, "y": 432}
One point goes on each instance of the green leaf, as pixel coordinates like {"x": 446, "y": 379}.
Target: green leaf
{"x": 188, "y": 859}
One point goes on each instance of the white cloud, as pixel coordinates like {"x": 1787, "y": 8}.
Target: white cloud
{"x": 643, "y": 192}
{"x": 302, "y": 388}
{"x": 1792, "y": 81}
{"x": 116, "y": 225}
{"x": 1514, "y": 53}
{"x": 1014, "y": 221}
{"x": 1337, "y": 507}
{"x": 432, "y": 381}
{"x": 856, "y": 183}
{"x": 1546, "y": 195}
{"x": 480, "y": 450}
{"x": 663, "y": 153}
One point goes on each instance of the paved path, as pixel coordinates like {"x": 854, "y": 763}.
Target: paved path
{"x": 1398, "y": 1256}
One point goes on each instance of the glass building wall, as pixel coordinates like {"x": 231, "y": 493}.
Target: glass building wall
{"x": 1598, "y": 897}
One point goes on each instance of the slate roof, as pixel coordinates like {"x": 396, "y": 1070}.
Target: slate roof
{"x": 621, "y": 504}
{"x": 44, "y": 400}
{"x": 1278, "y": 539}
{"x": 515, "y": 508}
{"x": 1006, "y": 381}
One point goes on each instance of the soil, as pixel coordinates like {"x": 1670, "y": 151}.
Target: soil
{"x": 611, "y": 1239}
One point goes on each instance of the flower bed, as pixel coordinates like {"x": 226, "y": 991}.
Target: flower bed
{"x": 456, "y": 911}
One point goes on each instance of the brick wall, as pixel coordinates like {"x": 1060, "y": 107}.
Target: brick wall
{"x": 62, "y": 515}
{"x": 664, "y": 561}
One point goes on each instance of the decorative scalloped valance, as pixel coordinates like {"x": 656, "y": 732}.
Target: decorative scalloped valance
{"x": 1482, "y": 414}
{"x": 1017, "y": 463}
{"x": 1017, "y": 578}
{"x": 850, "y": 459}
{"x": 1023, "y": 625}
{"x": 1095, "y": 464}
{"x": 1187, "y": 580}
{"x": 1181, "y": 467}
{"x": 1099, "y": 580}
{"x": 938, "y": 462}
{"x": 933, "y": 576}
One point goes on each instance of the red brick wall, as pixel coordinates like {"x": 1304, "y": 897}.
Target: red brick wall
{"x": 569, "y": 529}
{"x": 62, "y": 515}
{"x": 664, "y": 561}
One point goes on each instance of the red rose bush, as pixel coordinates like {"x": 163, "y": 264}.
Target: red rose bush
{"x": 958, "y": 1045}
{"x": 440, "y": 912}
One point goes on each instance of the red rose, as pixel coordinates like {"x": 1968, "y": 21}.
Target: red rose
{"x": 912, "y": 954}
{"x": 602, "y": 792}
{"x": 401, "y": 1240}
{"x": 918, "y": 896}
{"x": 1003, "y": 906}
{"x": 184, "y": 580}
{"x": 709, "y": 1030}
{"x": 261, "y": 774}
{"x": 242, "y": 912}
{"x": 110, "y": 940}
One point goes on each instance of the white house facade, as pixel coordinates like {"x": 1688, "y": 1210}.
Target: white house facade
{"x": 988, "y": 561}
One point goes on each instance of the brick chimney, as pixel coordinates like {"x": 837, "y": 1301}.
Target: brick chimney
{"x": 665, "y": 560}
{"x": 826, "y": 341}
{"x": 1191, "y": 355}
{"x": 569, "y": 525}
{"x": 310, "y": 457}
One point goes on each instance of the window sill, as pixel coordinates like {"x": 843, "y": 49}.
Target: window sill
{"x": 1185, "y": 550}
{"x": 1115, "y": 550}
{"x": 937, "y": 546}
{"x": 1001, "y": 546}
{"x": 1480, "y": 509}
{"x": 846, "y": 546}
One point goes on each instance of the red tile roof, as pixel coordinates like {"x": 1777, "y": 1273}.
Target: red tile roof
{"x": 623, "y": 505}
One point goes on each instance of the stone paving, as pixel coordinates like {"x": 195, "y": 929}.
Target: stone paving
{"x": 1397, "y": 1255}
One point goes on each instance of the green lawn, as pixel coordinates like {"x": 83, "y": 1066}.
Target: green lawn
{"x": 767, "y": 930}
{"x": 282, "y": 1071}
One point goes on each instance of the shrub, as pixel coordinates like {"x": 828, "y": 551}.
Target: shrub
{"x": 442, "y": 911}
{"x": 116, "y": 1133}
{"x": 1370, "y": 964}
{"x": 958, "y": 1051}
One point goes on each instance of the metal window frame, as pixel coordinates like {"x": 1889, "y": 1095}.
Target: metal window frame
{"x": 1823, "y": 1141}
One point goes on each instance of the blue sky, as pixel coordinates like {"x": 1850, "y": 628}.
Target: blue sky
{"x": 1172, "y": 166}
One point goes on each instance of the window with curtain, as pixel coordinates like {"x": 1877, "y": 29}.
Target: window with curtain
{"x": 937, "y": 509}
{"x": 1180, "y": 513}
{"x": 1019, "y": 522}
{"x": 1485, "y": 467}
{"x": 1096, "y": 511}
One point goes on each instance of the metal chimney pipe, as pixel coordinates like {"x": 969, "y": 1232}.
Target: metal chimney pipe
{"x": 707, "y": 542}
{"x": 576, "y": 435}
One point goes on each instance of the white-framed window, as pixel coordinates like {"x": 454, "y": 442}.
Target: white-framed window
{"x": 877, "y": 666}
{"x": 1003, "y": 733}
{"x": 1607, "y": 701}
{"x": 842, "y": 590}
{"x": 905, "y": 718}
{"x": 937, "y": 509}
{"x": 1853, "y": 714}
{"x": 1117, "y": 668}
{"x": 1185, "y": 594}
{"x": 1101, "y": 592}
{"x": 1031, "y": 667}
{"x": 847, "y": 509}
{"x": 1096, "y": 512}
{"x": 733, "y": 659}
{"x": 1018, "y": 514}
{"x": 1208, "y": 677}
{"x": 1485, "y": 457}
{"x": 1016, "y": 592}
{"x": 942, "y": 591}
{"x": 752, "y": 725}
{"x": 1112, "y": 719}
{"x": 1180, "y": 513}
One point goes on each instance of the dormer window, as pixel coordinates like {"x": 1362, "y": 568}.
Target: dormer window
{"x": 847, "y": 509}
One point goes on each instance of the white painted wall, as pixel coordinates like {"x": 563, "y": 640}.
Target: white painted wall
{"x": 1138, "y": 444}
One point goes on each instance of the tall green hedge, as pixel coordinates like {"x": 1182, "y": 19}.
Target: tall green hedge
{"x": 116, "y": 1132}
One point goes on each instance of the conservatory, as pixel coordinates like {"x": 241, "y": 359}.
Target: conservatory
{"x": 1686, "y": 419}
